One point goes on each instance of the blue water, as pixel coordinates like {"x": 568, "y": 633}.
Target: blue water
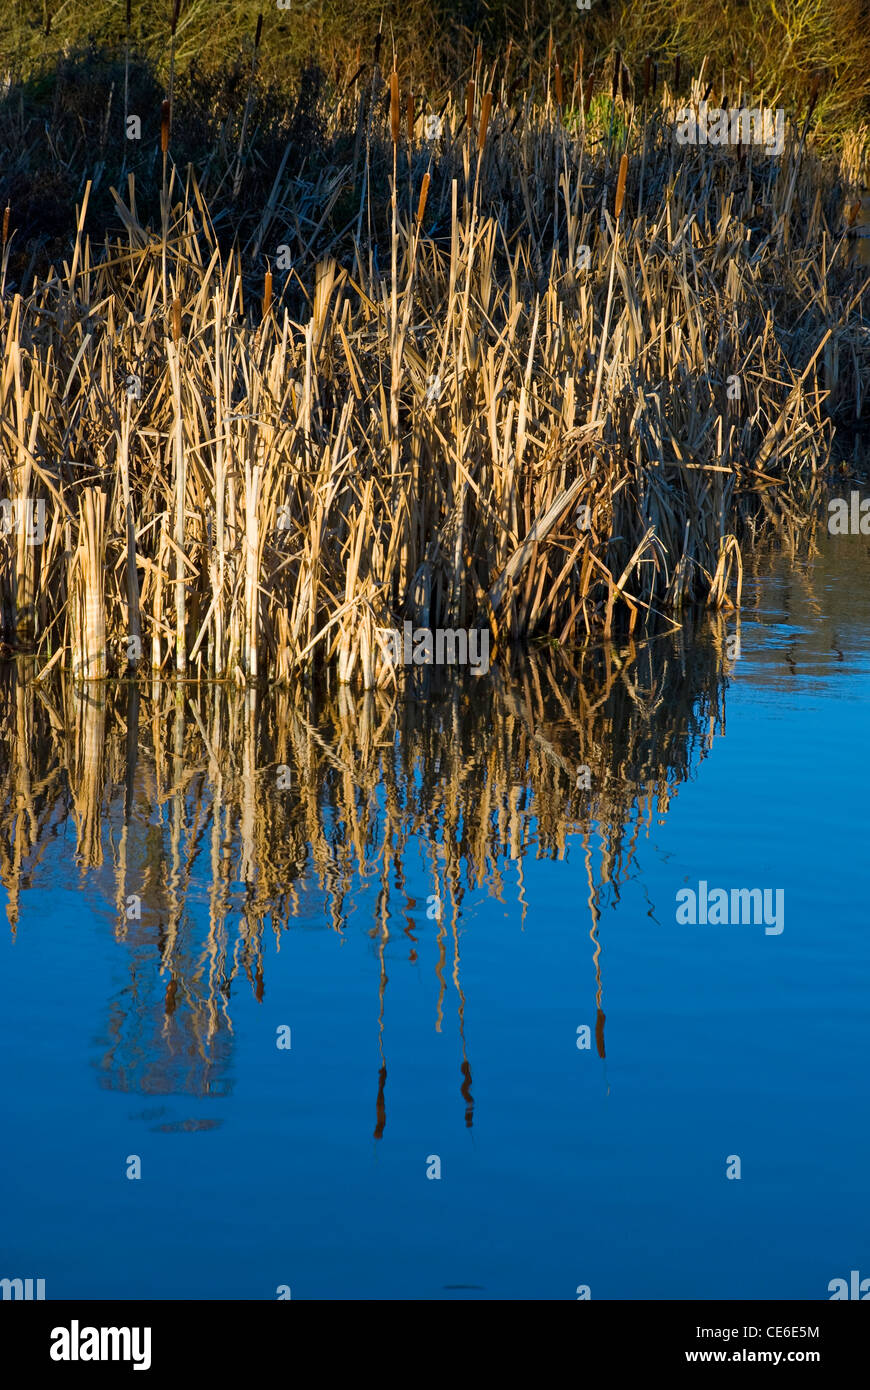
{"x": 264, "y": 1167}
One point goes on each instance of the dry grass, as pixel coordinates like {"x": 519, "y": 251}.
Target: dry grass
{"x": 319, "y": 453}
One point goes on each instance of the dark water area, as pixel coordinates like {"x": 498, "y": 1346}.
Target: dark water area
{"x": 457, "y": 910}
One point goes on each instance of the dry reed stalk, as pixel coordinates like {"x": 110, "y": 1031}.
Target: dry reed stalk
{"x": 180, "y": 473}
{"x": 88, "y": 626}
{"x": 134, "y": 622}
{"x": 394, "y": 107}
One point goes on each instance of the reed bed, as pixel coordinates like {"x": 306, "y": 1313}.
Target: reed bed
{"x": 207, "y": 820}
{"x": 502, "y": 395}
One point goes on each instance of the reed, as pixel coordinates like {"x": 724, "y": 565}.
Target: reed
{"x": 322, "y": 451}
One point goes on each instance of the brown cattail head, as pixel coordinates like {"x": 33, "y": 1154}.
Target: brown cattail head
{"x": 485, "y": 108}
{"x": 421, "y": 205}
{"x": 478, "y": 57}
{"x": 550, "y": 49}
{"x": 560, "y": 101}
{"x": 128, "y": 14}
{"x": 626, "y": 83}
{"x": 164, "y": 126}
{"x": 175, "y": 8}
{"x": 378, "y": 48}
{"x": 620, "y": 185}
{"x": 617, "y": 64}
{"x": 394, "y": 106}
{"x": 267, "y": 293}
{"x": 176, "y": 321}
{"x": 259, "y": 31}
{"x": 469, "y": 104}
{"x": 646, "y": 75}
{"x": 5, "y": 224}
{"x": 409, "y": 116}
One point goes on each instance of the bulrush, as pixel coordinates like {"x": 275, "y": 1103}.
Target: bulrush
{"x": 418, "y": 436}
{"x": 620, "y": 186}
{"x": 485, "y": 108}
{"x": 394, "y": 106}
{"x": 421, "y": 205}
{"x": 164, "y": 127}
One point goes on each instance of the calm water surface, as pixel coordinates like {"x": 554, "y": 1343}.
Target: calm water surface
{"x": 425, "y": 892}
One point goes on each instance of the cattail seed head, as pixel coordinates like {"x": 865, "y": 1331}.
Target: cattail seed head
{"x": 164, "y": 126}
{"x": 267, "y": 293}
{"x": 485, "y": 108}
{"x": 176, "y": 321}
{"x": 378, "y": 48}
{"x": 617, "y": 64}
{"x": 421, "y": 205}
{"x": 394, "y": 106}
{"x": 559, "y": 94}
{"x": 620, "y": 185}
{"x": 259, "y": 30}
{"x": 469, "y": 104}
{"x": 175, "y": 8}
{"x": 5, "y": 224}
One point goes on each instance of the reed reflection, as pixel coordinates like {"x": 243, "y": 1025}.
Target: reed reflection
{"x": 205, "y": 817}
